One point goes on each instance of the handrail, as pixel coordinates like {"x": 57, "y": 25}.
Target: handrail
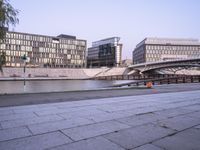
{"x": 168, "y": 80}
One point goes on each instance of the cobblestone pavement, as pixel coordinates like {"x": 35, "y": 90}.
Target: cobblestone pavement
{"x": 166, "y": 121}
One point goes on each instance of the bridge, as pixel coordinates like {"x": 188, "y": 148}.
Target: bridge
{"x": 162, "y": 80}
{"x": 172, "y": 66}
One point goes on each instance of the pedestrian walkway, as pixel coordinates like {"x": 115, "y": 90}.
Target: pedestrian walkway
{"x": 167, "y": 121}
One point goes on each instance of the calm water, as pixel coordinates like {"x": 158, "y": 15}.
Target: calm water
{"x": 54, "y": 85}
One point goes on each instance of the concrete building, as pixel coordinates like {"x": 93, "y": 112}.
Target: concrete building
{"x": 163, "y": 49}
{"x": 62, "y": 51}
{"x": 126, "y": 62}
{"x": 106, "y": 52}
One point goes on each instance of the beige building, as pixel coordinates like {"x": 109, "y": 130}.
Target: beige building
{"x": 163, "y": 49}
{"x": 62, "y": 51}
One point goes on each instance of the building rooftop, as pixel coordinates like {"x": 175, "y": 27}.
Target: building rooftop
{"x": 105, "y": 41}
{"x": 169, "y": 41}
{"x": 66, "y": 36}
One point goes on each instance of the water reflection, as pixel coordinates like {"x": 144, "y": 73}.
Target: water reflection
{"x": 54, "y": 85}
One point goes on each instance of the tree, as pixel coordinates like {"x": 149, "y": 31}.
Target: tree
{"x": 8, "y": 16}
{"x": 2, "y": 60}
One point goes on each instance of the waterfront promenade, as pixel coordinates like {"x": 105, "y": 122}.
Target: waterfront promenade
{"x": 52, "y": 97}
{"x": 164, "y": 121}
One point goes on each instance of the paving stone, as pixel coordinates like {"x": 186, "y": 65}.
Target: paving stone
{"x": 148, "y": 147}
{"x": 140, "y": 119}
{"x": 38, "y": 142}
{"x": 29, "y": 121}
{"x": 33, "y": 109}
{"x": 16, "y": 116}
{"x": 58, "y": 125}
{"x": 109, "y": 116}
{"x": 119, "y": 106}
{"x": 24, "y": 107}
{"x": 179, "y": 123}
{"x": 194, "y": 114}
{"x": 6, "y": 112}
{"x": 182, "y": 103}
{"x": 197, "y": 127}
{"x": 98, "y": 143}
{"x": 12, "y": 133}
{"x": 173, "y": 112}
{"x": 72, "y": 105}
{"x": 84, "y": 132}
{"x": 59, "y": 111}
{"x": 137, "y": 136}
{"x": 186, "y": 140}
{"x": 143, "y": 110}
{"x": 82, "y": 113}
{"x": 91, "y": 118}
{"x": 193, "y": 107}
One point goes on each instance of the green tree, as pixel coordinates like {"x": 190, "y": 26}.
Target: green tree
{"x": 8, "y": 16}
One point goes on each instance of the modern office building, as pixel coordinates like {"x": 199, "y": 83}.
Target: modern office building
{"x": 163, "y": 49}
{"x": 62, "y": 51}
{"x": 106, "y": 52}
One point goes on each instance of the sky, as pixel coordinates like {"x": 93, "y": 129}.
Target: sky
{"x": 93, "y": 20}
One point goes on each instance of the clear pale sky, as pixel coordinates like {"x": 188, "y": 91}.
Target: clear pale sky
{"x": 132, "y": 20}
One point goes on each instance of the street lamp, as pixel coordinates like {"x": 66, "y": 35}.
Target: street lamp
{"x": 24, "y": 58}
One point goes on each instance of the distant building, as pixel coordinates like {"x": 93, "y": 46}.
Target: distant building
{"x": 163, "y": 49}
{"x": 106, "y": 52}
{"x": 126, "y": 62}
{"x": 63, "y": 51}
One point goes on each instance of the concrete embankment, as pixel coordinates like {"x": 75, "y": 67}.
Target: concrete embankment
{"x": 57, "y": 73}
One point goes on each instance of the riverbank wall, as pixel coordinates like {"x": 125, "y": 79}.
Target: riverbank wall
{"x": 63, "y": 73}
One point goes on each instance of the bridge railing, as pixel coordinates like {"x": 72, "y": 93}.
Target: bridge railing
{"x": 135, "y": 77}
{"x": 165, "y": 80}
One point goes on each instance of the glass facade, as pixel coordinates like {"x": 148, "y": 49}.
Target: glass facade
{"x": 160, "y": 49}
{"x": 106, "y": 52}
{"x": 63, "y": 51}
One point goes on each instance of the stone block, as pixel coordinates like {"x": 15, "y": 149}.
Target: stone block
{"x": 137, "y": 136}
{"x": 87, "y": 131}
{"x": 193, "y": 107}
{"x": 148, "y": 147}
{"x": 6, "y": 112}
{"x": 108, "y": 116}
{"x": 197, "y": 127}
{"x": 82, "y": 113}
{"x": 98, "y": 143}
{"x": 179, "y": 123}
{"x": 29, "y": 121}
{"x": 39, "y": 142}
{"x": 13, "y": 133}
{"x": 173, "y": 112}
{"x": 60, "y": 111}
{"x": 186, "y": 140}
{"x": 194, "y": 114}
{"x": 58, "y": 125}
{"x": 140, "y": 119}
{"x": 16, "y": 116}
{"x": 34, "y": 109}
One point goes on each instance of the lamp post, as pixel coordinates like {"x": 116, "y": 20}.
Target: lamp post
{"x": 24, "y": 58}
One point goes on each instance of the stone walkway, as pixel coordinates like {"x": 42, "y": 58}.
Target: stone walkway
{"x": 169, "y": 121}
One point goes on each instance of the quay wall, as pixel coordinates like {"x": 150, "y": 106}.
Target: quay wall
{"x": 68, "y": 73}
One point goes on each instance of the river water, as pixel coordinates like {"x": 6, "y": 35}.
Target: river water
{"x": 54, "y": 85}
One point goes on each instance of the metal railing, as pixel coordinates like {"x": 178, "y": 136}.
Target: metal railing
{"x": 165, "y": 80}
